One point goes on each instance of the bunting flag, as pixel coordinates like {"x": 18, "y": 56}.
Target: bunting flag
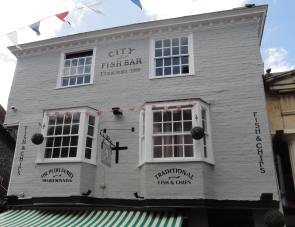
{"x": 137, "y": 2}
{"x": 62, "y": 16}
{"x": 35, "y": 27}
{"x": 94, "y": 8}
{"x": 12, "y": 36}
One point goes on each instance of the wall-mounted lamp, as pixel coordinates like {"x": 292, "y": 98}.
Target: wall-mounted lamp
{"x": 137, "y": 196}
{"x": 117, "y": 111}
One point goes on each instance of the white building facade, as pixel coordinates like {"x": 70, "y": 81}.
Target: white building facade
{"x": 142, "y": 88}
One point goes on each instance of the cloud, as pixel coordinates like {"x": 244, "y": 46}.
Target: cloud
{"x": 276, "y": 59}
{"x": 159, "y": 9}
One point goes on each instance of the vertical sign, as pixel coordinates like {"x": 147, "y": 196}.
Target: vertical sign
{"x": 258, "y": 143}
{"x": 23, "y": 149}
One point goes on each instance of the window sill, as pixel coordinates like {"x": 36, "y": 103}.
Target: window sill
{"x": 163, "y": 77}
{"x": 74, "y": 86}
{"x": 175, "y": 161}
{"x": 57, "y": 161}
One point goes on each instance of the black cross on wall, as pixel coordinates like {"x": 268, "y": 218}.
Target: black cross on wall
{"x": 117, "y": 148}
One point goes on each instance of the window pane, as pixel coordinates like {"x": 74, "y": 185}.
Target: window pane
{"x": 64, "y": 152}
{"x": 88, "y": 61}
{"x": 167, "y": 52}
{"x": 73, "y": 71}
{"x": 167, "y": 61}
{"x": 167, "y": 139}
{"x": 178, "y": 151}
{"x": 56, "y": 153}
{"x": 68, "y": 118}
{"x": 167, "y": 151}
{"x": 81, "y": 61}
{"x": 65, "y": 82}
{"x": 51, "y": 120}
{"x": 49, "y": 142}
{"x": 176, "y": 70}
{"x": 159, "y": 62}
{"x": 184, "y": 60}
{"x": 74, "y": 62}
{"x": 80, "y": 69}
{"x": 167, "y": 42}
{"x": 159, "y": 71}
{"x": 91, "y": 120}
{"x": 67, "y": 63}
{"x": 87, "y": 153}
{"x": 89, "y": 142}
{"x": 158, "y": 152}
{"x": 157, "y": 116}
{"x": 75, "y": 129}
{"x": 188, "y": 151}
{"x": 175, "y": 51}
{"x": 74, "y": 140}
{"x": 57, "y": 141}
{"x": 87, "y": 79}
{"x": 157, "y": 128}
{"x": 175, "y": 42}
{"x": 178, "y": 139}
{"x": 58, "y": 130}
{"x": 177, "y": 115}
{"x": 187, "y": 114}
{"x": 157, "y": 140}
{"x": 50, "y": 130}
{"x": 167, "y": 71}
{"x": 80, "y": 80}
{"x": 48, "y": 152}
{"x": 87, "y": 69}
{"x": 185, "y": 69}
{"x": 167, "y": 127}
{"x": 158, "y": 44}
{"x": 66, "y": 141}
{"x": 66, "y": 130}
{"x": 72, "y": 80}
{"x": 73, "y": 152}
{"x": 158, "y": 52}
{"x": 176, "y": 61}
{"x": 90, "y": 130}
{"x": 67, "y": 71}
{"x": 167, "y": 116}
{"x": 187, "y": 126}
{"x": 76, "y": 118}
{"x": 59, "y": 119}
{"x": 177, "y": 127}
{"x": 184, "y": 41}
{"x": 188, "y": 139}
{"x": 184, "y": 50}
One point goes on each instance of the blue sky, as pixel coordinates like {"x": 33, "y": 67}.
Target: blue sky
{"x": 278, "y": 49}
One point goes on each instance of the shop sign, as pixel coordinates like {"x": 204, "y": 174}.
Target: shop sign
{"x": 174, "y": 176}
{"x": 121, "y": 61}
{"x": 57, "y": 175}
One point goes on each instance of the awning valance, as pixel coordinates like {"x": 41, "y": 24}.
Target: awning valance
{"x": 89, "y": 218}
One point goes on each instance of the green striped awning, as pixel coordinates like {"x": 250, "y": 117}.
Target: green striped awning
{"x": 88, "y": 218}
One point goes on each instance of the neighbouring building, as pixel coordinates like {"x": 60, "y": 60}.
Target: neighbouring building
{"x": 280, "y": 99}
{"x": 7, "y": 145}
{"x": 158, "y": 122}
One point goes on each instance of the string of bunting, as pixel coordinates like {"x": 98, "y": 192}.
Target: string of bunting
{"x": 13, "y": 36}
{"x": 131, "y": 109}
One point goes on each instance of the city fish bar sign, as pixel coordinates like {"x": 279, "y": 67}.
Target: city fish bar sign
{"x": 121, "y": 61}
{"x": 174, "y": 176}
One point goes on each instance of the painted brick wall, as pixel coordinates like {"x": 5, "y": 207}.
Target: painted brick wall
{"x": 228, "y": 71}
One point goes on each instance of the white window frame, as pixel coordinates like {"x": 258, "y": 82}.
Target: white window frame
{"x": 146, "y": 133}
{"x": 61, "y": 67}
{"x": 82, "y": 135}
{"x": 152, "y": 74}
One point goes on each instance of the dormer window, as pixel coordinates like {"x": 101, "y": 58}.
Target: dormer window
{"x": 77, "y": 69}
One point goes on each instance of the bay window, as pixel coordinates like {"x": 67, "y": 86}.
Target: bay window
{"x": 165, "y": 132}
{"x": 70, "y": 135}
